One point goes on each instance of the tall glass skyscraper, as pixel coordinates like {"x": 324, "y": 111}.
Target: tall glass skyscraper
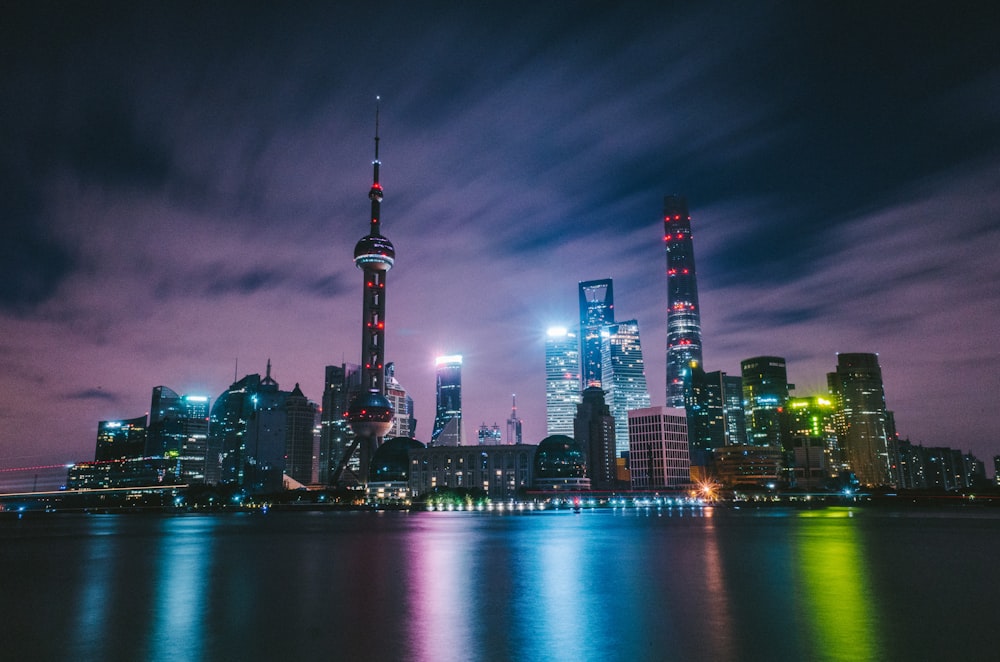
{"x": 178, "y": 431}
{"x": 623, "y": 376}
{"x": 765, "y": 389}
{"x": 562, "y": 380}
{"x": 597, "y": 310}
{"x": 448, "y": 419}
{"x": 683, "y": 313}
{"x": 861, "y": 417}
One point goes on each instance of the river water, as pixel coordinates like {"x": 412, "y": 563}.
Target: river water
{"x": 636, "y": 584}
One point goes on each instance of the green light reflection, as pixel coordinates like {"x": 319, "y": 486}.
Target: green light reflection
{"x": 840, "y": 616}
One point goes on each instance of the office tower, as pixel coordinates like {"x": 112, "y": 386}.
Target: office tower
{"x": 370, "y": 413}
{"x": 623, "y": 376}
{"x": 861, "y": 417}
{"x": 658, "y": 448}
{"x": 178, "y": 432}
{"x": 996, "y": 469}
{"x": 683, "y": 313}
{"x": 341, "y": 383}
{"x": 513, "y": 423}
{"x": 705, "y": 406}
{"x": 594, "y": 431}
{"x": 227, "y": 430}
{"x": 736, "y": 421}
{"x": 300, "y": 433}
{"x": 562, "y": 380}
{"x": 489, "y": 435}
{"x": 403, "y": 422}
{"x": 265, "y": 435}
{"x": 448, "y": 417}
{"x": 809, "y": 439}
{"x": 597, "y": 310}
{"x": 121, "y": 440}
{"x": 765, "y": 389}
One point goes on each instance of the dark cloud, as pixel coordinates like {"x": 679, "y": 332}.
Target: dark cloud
{"x": 93, "y": 394}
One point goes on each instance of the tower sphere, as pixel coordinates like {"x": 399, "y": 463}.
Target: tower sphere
{"x": 370, "y": 415}
{"x": 374, "y": 252}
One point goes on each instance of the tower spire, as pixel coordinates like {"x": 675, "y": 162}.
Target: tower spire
{"x": 375, "y": 194}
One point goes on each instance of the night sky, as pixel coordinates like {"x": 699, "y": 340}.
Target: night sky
{"x": 182, "y": 186}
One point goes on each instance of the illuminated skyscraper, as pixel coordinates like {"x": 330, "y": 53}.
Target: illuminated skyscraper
{"x": 623, "y": 376}
{"x": 178, "y": 432}
{"x": 371, "y": 413}
{"x": 121, "y": 440}
{"x": 683, "y": 313}
{"x": 341, "y": 384}
{"x": 448, "y": 418}
{"x": 562, "y": 380}
{"x": 403, "y": 422}
{"x": 597, "y": 310}
{"x": 809, "y": 438}
{"x": 861, "y": 417}
{"x": 765, "y": 389}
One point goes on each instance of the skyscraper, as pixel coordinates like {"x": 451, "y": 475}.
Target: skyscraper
{"x": 121, "y": 440}
{"x": 370, "y": 413}
{"x": 658, "y": 447}
{"x": 683, "y": 313}
{"x": 448, "y": 417}
{"x": 597, "y": 310}
{"x": 513, "y": 423}
{"x": 623, "y": 376}
{"x": 300, "y": 433}
{"x": 765, "y": 389}
{"x": 178, "y": 432}
{"x": 861, "y": 417}
{"x": 403, "y": 422}
{"x": 341, "y": 384}
{"x": 562, "y": 380}
{"x": 809, "y": 438}
{"x": 594, "y": 431}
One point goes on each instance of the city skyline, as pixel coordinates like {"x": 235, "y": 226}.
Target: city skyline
{"x": 185, "y": 187}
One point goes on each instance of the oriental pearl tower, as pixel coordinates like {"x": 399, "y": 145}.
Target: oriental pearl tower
{"x": 370, "y": 414}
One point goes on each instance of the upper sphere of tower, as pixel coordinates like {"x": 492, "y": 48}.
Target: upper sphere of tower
{"x": 374, "y": 252}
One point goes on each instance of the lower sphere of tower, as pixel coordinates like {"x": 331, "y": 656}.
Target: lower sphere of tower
{"x": 370, "y": 415}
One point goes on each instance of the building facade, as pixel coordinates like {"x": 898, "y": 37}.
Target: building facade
{"x": 499, "y": 471}
{"x": 178, "y": 431}
{"x": 857, "y": 390}
{"x": 623, "y": 376}
{"x": 809, "y": 438}
{"x": 658, "y": 448}
{"x": 594, "y": 431}
{"x": 597, "y": 310}
{"x": 765, "y": 389}
{"x": 448, "y": 414}
{"x": 562, "y": 380}
{"x": 121, "y": 440}
{"x": 340, "y": 385}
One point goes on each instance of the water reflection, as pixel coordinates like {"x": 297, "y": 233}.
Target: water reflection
{"x": 840, "y": 613}
{"x": 97, "y": 559}
{"x": 441, "y": 587}
{"x": 181, "y": 578}
{"x": 719, "y": 644}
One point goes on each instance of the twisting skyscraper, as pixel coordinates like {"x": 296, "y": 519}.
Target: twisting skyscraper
{"x": 371, "y": 414}
{"x": 683, "y": 314}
